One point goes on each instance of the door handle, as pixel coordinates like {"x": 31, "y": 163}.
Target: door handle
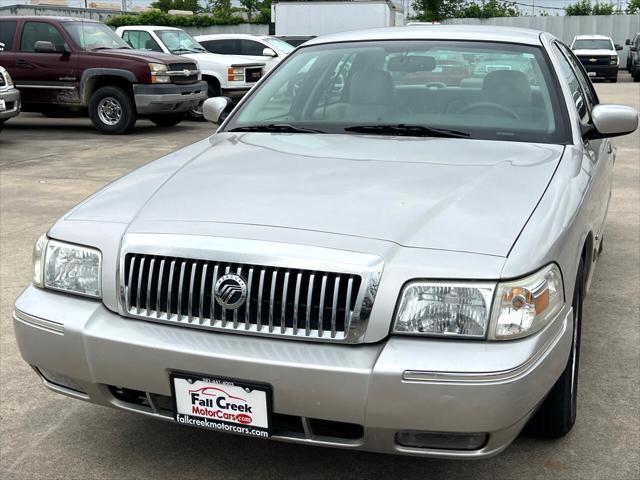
{"x": 20, "y": 62}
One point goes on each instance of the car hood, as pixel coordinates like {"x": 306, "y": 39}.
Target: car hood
{"x": 142, "y": 55}
{"x": 221, "y": 59}
{"x": 600, "y": 51}
{"x": 450, "y": 194}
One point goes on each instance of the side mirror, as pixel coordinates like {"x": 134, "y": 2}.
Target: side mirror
{"x": 212, "y": 108}
{"x": 618, "y": 47}
{"x": 612, "y": 121}
{"x": 269, "y": 52}
{"x": 44, "y": 47}
{"x": 627, "y": 41}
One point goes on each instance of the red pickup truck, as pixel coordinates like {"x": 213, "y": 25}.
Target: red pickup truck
{"x": 68, "y": 66}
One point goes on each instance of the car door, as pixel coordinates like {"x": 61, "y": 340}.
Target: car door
{"x": 599, "y": 154}
{"x": 50, "y": 77}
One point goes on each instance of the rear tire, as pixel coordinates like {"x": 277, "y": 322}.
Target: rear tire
{"x": 169, "y": 120}
{"x": 112, "y": 111}
{"x": 213, "y": 90}
{"x": 557, "y": 414}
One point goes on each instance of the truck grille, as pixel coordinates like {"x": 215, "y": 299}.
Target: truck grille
{"x": 176, "y": 70}
{"x": 315, "y": 305}
{"x": 599, "y": 60}
{"x": 252, "y": 75}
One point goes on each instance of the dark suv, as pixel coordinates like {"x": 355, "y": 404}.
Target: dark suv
{"x": 68, "y": 66}
{"x": 633, "y": 58}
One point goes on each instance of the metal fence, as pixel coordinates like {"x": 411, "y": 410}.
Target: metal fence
{"x": 618, "y": 27}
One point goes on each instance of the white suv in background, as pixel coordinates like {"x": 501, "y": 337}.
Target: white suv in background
{"x": 262, "y": 48}
{"x": 599, "y": 56}
{"x": 227, "y": 75}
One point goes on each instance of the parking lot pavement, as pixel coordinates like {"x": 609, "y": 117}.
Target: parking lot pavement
{"x": 48, "y": 165}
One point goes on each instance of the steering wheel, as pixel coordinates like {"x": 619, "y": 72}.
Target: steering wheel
{"x": 501, "y": 109}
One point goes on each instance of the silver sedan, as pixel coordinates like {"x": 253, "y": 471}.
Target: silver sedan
{"x": 385, "y": 246}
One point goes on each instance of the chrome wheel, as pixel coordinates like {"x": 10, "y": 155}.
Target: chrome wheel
{"x": 109, "y": 111}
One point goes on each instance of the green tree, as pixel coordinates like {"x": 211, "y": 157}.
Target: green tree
{"x": 258, "y": 11}
{"x": 633, "y": 7}
{"x": 602, "y": 9}
{"x": 581, "y": 7}
{"x": 166, "y": 5}
{"x": 436, "y": 10}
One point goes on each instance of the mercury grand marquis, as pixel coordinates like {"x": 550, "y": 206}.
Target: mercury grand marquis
{"x": 362, "y": 256}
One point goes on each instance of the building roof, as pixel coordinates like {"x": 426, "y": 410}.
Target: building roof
{"x": 436, "y": 32}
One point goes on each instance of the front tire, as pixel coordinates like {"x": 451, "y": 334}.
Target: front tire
{"x": 167, "y": 120}
{"x": 112, "y": 111}
{"x": 557, "y": 414}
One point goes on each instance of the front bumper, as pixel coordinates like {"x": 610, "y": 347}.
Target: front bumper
{"x": 436, "y": 385}
{"x": 235, "y": 92}
{"x": 168, "y": 98}
{"x": 11, "y": 97}
{"x": 601, "y": 71}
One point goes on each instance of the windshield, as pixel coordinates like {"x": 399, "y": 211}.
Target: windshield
{"x": 465, "y": 89}
{"x": 592, "y": 44}
{"x": 178, "y": 41}
{"x": 281, "y": 45}
{"x": 93, "y": 36}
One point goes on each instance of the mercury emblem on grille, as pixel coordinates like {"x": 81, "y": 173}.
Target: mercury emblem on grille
{"x": 230, "y": 291}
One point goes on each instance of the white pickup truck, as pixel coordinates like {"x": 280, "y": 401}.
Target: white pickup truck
{"x": 227, "y": 75}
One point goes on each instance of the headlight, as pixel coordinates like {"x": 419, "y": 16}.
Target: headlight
{"x": 159, "y": 73}
{"x": 8, "y": 80}
{"x": 444, "y": 309}
{"x": 235, "y": 74}
{"x": 508, "y": 310}
{"x": 67, "y": 267}
{"x": 525, "y": 306}
{"x": 614, "y": 60}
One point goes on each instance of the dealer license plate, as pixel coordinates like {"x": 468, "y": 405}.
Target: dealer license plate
{"x": 3, "y": 105}
{"x": 221, "y": 404}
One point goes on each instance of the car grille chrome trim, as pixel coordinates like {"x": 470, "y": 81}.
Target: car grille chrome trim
{"x": 301, "y": 295}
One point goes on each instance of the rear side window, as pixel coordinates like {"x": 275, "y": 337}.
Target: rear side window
{"x": 7, "y": 32}
{"x": 224, "y": 47}
{"x": 40, "y": 32}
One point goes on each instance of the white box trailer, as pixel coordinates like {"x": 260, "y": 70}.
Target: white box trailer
{"x": 293, "y": 18}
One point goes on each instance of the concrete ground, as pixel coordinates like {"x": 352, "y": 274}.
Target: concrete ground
{"x": 48, "y": 165}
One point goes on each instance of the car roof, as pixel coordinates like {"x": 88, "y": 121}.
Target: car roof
{"x": 49, "y": 18}
{"x": 223, "y": 36}
{"x": 149, "y": 28}
{"x": 436, "y": 32}
{"x": 594, "y": 37}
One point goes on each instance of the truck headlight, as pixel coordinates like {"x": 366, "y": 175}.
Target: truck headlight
{"x": 67, "y": 267}
{"x": 510, "y": 309}
{"x": 614, "y": 60}
{"x": 525, "y": 306}
{"x": 235, "y": 74}
{"x": 444, "y": 309}
{"x": 159, "y": 73}
{"x": 8, "y": 81}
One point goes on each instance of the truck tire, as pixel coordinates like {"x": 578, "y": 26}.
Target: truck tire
{"x": 557, "y": 414}
{"x": 167, "y": 120}
{"x": 213, "y": 90}
{"x": 112, "y": 111}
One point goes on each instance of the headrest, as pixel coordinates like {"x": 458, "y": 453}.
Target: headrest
{"x": 507, "y": 87}
{"x": 373, "y": 87}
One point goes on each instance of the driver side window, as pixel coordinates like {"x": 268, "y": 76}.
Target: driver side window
{"x": 577, "y": 93}
{"x": 33, "y": 32}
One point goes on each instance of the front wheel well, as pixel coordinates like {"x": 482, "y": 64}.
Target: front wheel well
{"x": 94, "y": 83}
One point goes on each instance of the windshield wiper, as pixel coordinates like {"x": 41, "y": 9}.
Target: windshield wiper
{"x": 276, "y": 127}
{"x": 188, "y": 50}
{"x": 407, "y": 130}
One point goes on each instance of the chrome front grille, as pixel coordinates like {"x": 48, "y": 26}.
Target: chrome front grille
{"x": 287, "y": 296}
